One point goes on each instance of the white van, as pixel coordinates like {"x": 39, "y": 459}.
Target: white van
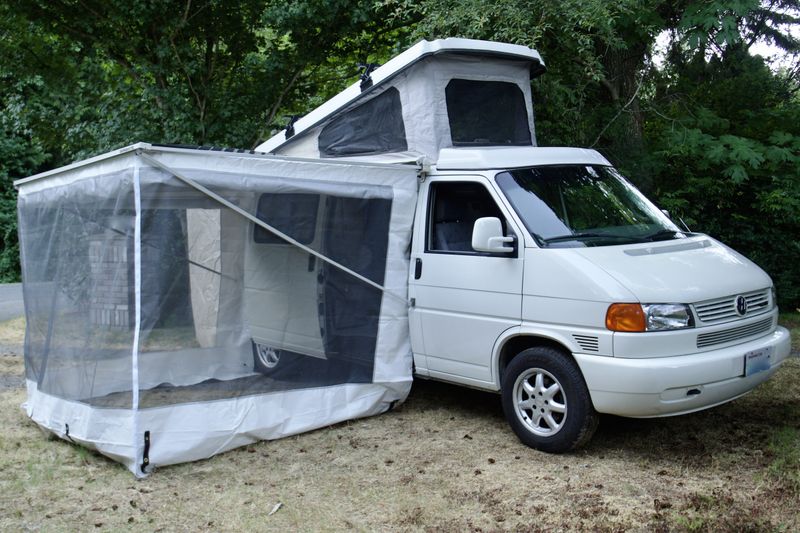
{"x": 539, "y": 273}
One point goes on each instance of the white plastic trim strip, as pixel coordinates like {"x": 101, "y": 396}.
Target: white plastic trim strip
{"x": 137, "y": 288}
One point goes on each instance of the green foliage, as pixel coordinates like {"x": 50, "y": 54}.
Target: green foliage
{"x": 82, "y": 78}
{"x": 715, "y": 26}
{"x": 20, "y": 155}
{"x": 176, "y": 72}
{"x": 728, "y": 149}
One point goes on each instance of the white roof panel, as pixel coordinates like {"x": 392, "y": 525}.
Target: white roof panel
{"x": 499, "y": 157}
{"x": 399, "y": 64}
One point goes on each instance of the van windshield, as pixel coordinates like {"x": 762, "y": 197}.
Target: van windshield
{"x": 571, "y": 206}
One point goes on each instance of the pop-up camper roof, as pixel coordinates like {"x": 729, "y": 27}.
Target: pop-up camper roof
{"x": 437, "y": 94}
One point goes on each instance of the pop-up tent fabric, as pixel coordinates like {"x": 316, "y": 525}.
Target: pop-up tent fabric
{"x": 181, "y": 302}
{"x": 437, "y": 94}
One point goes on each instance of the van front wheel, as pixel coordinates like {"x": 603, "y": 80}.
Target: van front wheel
{"x": 546, "y": 402}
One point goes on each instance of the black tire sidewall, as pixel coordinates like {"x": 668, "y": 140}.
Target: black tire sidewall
{"x": 580, "y": 419}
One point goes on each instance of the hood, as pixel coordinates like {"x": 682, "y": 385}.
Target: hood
{"x": 678, "y": 271}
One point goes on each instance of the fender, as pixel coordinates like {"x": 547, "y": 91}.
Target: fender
{"x": 562, "y": 336}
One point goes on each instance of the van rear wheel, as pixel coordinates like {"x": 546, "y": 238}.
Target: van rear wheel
{"x": 546, "y": 402}
{"x": 268, "y": 360}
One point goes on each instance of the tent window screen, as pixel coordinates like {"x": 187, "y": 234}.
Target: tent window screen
{"x": 372, "y": 128}
{"x": 485, "y": 113}
{"x": 292, "y": 214}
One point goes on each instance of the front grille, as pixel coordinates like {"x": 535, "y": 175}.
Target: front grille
{"x": 721, "y": 309}
{"x": 588, "y": 343}
{"x": 705, "y": 340}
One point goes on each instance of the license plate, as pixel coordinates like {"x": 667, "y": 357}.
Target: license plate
{"x": 757, "y": 361}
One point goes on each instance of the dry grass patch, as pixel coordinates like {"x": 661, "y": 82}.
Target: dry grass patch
{"x": 443, "y": 461}
{"x": 12, "y": 332}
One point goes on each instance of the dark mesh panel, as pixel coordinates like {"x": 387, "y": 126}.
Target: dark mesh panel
{"x": 77, "y": 257}
{"x": 226, "y": 310}
{"x": 483, "y": 113}
{"x": 374, "y": 127}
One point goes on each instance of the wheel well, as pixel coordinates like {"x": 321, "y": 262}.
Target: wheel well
{"x": 517, "y": 344}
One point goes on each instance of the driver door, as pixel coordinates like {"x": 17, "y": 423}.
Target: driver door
{"x": 463, "y": 299}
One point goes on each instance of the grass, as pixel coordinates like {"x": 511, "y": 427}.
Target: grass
{"x": 443, "y": 461}
{"x": 792, "y": 321}
{"x": 12, "y": 332}
{"x": 785, "y": 467}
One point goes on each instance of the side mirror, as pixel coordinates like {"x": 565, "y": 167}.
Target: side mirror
{"x": 487, "y": 236}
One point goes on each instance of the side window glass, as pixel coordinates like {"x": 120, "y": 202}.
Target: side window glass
{"x": 294, "y": 214}
{"x": 453, "y": 209}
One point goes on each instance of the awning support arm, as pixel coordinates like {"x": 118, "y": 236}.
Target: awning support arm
{"x": 257, "y": 221}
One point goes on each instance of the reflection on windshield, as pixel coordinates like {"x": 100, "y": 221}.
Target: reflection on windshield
{"x": 583, "y": 205}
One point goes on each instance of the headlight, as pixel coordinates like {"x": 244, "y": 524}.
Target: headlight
{"x": 660, "y": 317}
{"x": 648, "y": 317}
{"x": 774, "y": 296}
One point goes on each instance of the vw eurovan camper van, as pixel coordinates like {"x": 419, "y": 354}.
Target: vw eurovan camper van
{"x": 181, "y": 302}
{"x": 539, "y": 273}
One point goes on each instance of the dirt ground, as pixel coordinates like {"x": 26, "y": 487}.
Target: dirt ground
{"x": 443, "y": 461}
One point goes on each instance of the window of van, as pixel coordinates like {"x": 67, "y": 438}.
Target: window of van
{"x": 483, "y": 113}
{"x": 583, "y": 205}
{"x": 455, "y": 206}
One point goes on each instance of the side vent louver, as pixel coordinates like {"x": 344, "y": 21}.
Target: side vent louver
{"x": 587, "y": 343}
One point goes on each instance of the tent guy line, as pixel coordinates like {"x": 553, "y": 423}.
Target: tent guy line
{"x": 257, "y": 221}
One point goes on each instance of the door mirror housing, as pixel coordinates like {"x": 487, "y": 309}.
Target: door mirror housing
{"x": 487, "y": 236}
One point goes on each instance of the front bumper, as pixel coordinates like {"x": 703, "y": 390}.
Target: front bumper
{"x": 664, "y": 386}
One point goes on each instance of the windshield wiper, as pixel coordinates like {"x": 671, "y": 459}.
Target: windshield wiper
{"x": 585, "y": 235}
{"x": 660, "y": 233}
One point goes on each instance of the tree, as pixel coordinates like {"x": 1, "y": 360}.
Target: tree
{"x": 83, "y": 77}
{"x": 188, "y": 72}
{"x": 727, "y": 145}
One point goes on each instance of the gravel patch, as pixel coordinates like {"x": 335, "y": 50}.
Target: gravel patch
{"x": 11, "y": 349}
{"x": 8, "y": 382}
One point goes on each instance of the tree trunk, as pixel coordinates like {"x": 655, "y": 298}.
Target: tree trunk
{"x": 622, "y": 82}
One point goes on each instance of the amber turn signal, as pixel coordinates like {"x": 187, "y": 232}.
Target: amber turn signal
{"x": 625, "y": 317}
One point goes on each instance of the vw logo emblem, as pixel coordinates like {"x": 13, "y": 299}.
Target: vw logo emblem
{"x": 741, "y": 305}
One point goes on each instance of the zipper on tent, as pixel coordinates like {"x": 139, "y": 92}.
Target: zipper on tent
{"x": 257, "y": 221}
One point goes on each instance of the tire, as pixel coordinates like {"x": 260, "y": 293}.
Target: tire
{"x": 546, "y": 402}
{"x": 266, "y": 359}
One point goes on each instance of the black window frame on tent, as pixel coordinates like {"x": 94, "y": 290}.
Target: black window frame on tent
{"x": 374, "y": 127}
{"x": 487, "y": 113}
